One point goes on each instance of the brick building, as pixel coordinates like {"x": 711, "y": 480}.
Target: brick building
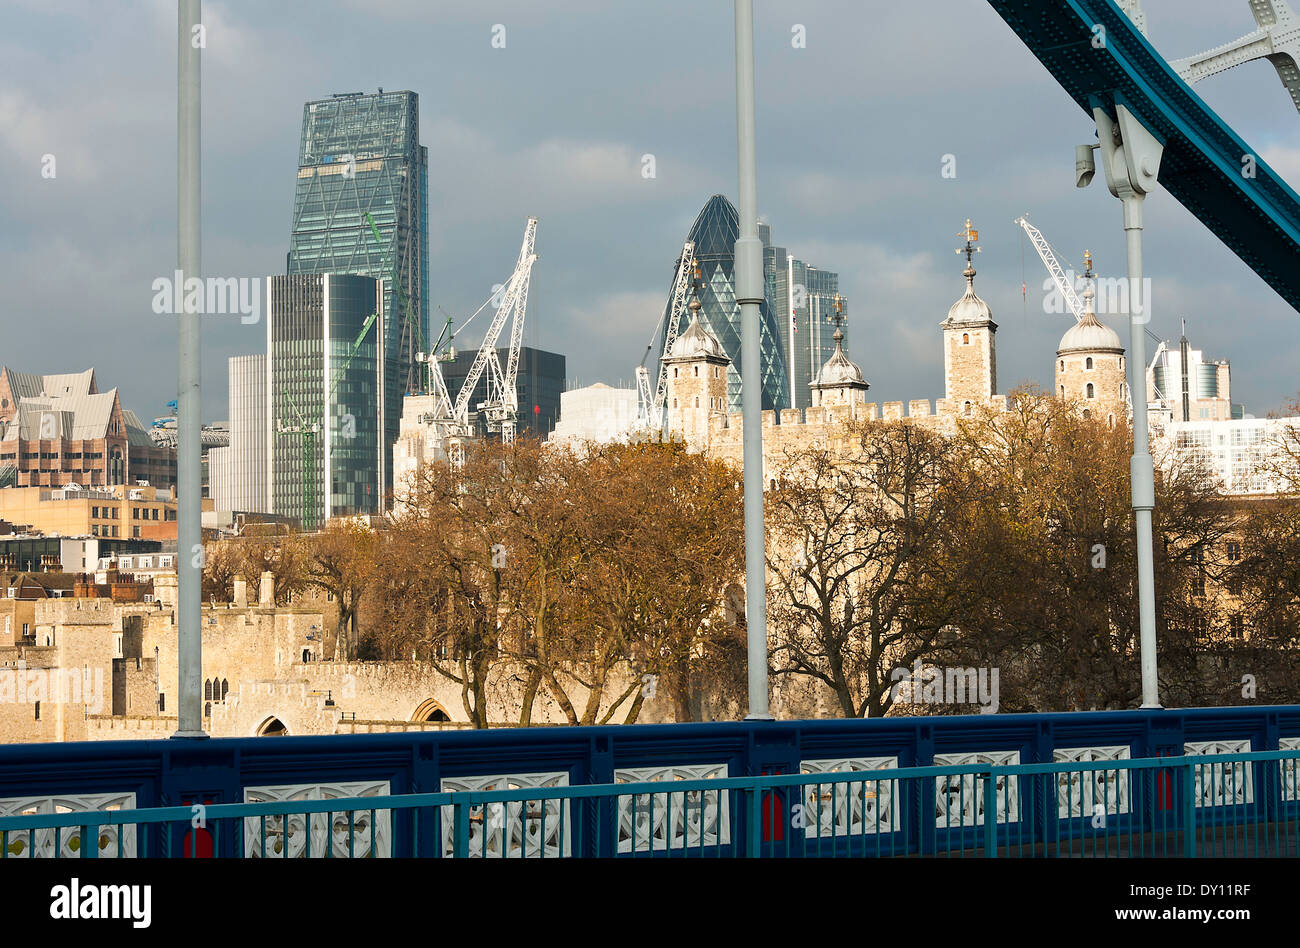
{"x": 61, "y": 429}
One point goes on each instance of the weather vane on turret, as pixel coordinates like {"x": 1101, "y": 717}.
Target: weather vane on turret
{"x": 838, "y": 317}
{"x": 697, "y": 281}
{"x": 1089, "y": 293}
{"x": 971, "y": 236}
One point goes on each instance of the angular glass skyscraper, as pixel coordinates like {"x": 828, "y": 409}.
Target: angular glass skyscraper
{"x": 715, "y": 232}
{"x": 360, "y": 154}
{"x": 803, "y": 299}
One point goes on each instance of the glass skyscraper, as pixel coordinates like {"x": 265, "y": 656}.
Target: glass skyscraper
{"x": 360, "y": 154}
{"x": 715, "y": 232}
{"x": 803, "y": 296}
{"x": 326, "y": 407}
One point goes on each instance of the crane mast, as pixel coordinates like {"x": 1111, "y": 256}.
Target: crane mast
{"x": 1053, "y": 267}
{"x": 501, "y": 406}
{"x": 650, "y": 407}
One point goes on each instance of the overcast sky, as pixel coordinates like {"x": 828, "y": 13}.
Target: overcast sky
{"x": 852, "y": 132}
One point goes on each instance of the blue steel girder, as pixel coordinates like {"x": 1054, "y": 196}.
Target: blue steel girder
{"x": 1257, "y": 218}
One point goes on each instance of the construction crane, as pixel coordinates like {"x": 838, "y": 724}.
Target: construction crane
{"x": 650, "y": 407}
{"x": 1053, "y": 267}
{"x": 1066, "y": 289}
{"x": 501, "y": 407}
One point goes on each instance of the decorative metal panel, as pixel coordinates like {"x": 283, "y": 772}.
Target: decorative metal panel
{"x": 41, "y": 845}
{"x": 661, "y": 821}
{"x": 1080, "y": 792}
{"x": 850, "y": 809}
{"x": 330, "y": 833}
{"x": 959, "y": 798}
{"x": 529, "y": 828}
{"x": 1290, "y": 768}
{"x": 1222, "y": 784}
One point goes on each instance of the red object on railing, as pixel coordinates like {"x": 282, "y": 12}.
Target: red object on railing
{"x": 774, "y": 811}
{"x": 200, "y": 835}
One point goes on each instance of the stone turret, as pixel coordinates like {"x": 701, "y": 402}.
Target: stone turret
{"x": 840, "y": 381}
{"x": 697, "y": 382}
{"x": 1090, "y": 362}
{"x": 970, "y": 369}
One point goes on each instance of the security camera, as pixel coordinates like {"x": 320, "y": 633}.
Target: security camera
{"x": 1084, "y": 165}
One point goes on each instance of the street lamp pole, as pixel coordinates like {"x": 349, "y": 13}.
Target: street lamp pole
{"x": 189, "y": 542}
{"x": 749, "y": 294}
{"x": 1131, "y": 159}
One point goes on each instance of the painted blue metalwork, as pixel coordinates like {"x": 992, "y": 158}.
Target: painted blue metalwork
{"x": 174, "y": 772}
{"x": 1204, "y": 162}
{"x": 1164, "y": 815}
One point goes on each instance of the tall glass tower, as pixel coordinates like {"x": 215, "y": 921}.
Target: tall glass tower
{"x": 360, "y": 154}
{"x": 715, "y": 232}
{"x": 326, "y": 406}
{"x": 803, "y": 298}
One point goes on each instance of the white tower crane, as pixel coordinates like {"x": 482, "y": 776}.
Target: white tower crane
{"x": 1053, "y": 267}
{"x": 502, "y": 405}
{"x": 650, "y": 407}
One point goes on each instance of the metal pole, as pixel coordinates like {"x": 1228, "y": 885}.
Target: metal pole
{"x": 749, "y": 294}
{"x": 1131, "y": 159}
{"x": 189, "y": 544}
{"x": 1141, "y": 470}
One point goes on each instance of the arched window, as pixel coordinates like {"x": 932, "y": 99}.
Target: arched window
{"x": 207, "y": 689}
{"x": 207, "y": 709}
{"x": 674, "y": 403}
{"x": 1062, "y": 391}
{"x": 1062, "y": 365}
{"x": 1091, "y": 391}
{"x": 225, "y": 688}
{"x": 966, "y": 409}
{"x": 697, "y": 371}
{"x": 1088, "y": 364}
{"x": 965, "y": 339}
{"x": 1087, "y": 414}
{"x": 306, "y": 656}
{"x": 697, "y": 401}
{"x": 674, "y": 371}
{"x": 715, "y": 371}
{"x": 1110, "y": 420}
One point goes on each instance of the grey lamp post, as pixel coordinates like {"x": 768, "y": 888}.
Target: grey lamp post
{"x": 749, "y": 294}
{"x": 189, "y": 543}
{"x": 1131, "y": 159}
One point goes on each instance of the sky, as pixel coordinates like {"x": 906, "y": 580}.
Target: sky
{"x": 853, "y": 130}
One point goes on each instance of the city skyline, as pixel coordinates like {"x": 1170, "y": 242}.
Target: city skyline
{"x": 874, "y": 209}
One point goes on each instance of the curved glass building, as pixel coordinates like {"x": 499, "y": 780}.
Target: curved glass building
{"x": 715, "y": 232}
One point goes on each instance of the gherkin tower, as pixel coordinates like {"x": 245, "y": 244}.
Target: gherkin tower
{"x": 714, "y": 233}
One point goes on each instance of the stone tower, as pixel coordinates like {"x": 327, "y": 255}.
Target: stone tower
{"x": 697, "y": 382}
{"x": 970, "y": 370}
{"x": 1090, "y": 363}
{"x": 840, "y": 381}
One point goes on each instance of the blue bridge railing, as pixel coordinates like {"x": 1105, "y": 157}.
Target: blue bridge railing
{"x": 1221, "y": 805}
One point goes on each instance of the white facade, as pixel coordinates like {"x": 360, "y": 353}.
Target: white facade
{"x": 597, "y": 413}
{"x": 237, "y": 474}
{"x": 1238, "y": 450}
